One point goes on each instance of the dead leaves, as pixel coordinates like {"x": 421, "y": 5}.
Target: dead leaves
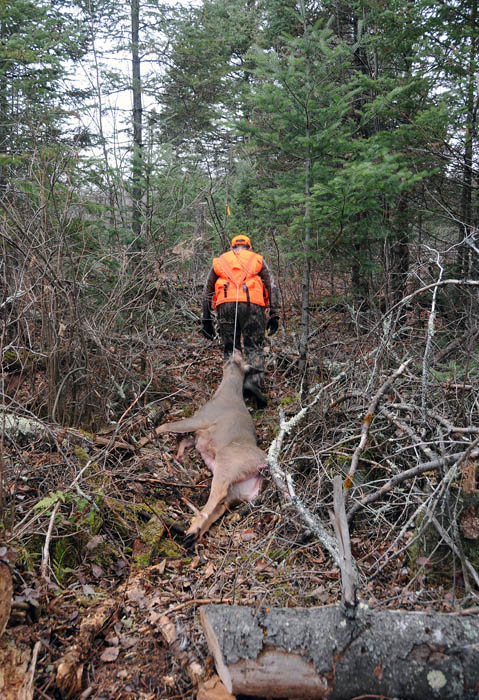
{"x": 469, "y": 524}
{"x": 167, "y": 629}
{"x": 110, "y": 654}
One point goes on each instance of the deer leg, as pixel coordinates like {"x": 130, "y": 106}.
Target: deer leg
{"x": 213, "y": 509}
{"x": 184, "y": 444}
{"x": 199, "y": 525}
{"x": 188, "y": 425}
{"x": 208, "y": 522}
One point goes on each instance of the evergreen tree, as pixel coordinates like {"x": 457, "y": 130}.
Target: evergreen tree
{"x": 392, "y": 120}
{"x": 37, "y": 40}
{"x": 297, "y": 110}
{"x": 357, "y": 120}
{"x": 207, "y": 73}
{"x": 451, "y": 39}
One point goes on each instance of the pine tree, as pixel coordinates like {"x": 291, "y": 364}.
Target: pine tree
{"x": 37, "y": 40}
{"x": 296, "y": 113}
{"x": 207, "y": 73}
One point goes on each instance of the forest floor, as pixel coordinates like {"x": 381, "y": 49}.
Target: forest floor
{"x": 115, "y": 606}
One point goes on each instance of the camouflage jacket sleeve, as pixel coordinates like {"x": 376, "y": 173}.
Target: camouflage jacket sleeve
{"x": 268, "y": 281}
{"x": 208, "y": 293}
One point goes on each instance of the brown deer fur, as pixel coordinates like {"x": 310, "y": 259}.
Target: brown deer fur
{"x": 225, "y": 436}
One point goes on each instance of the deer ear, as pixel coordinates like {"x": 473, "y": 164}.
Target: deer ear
{"x": 249, "y": 369}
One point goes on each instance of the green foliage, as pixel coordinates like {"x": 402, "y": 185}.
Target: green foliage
{"x": 83, "y": 514}
{"x": 281, "y": 20}
{"x": 295, "y": 117}
{"x": 51, "y": 500}
{"x": 36, "y": 40}
{"x": 206, "y": 72}
{"x": 314, "y": 112}
{"x": 65, "y": 557}
{"x": 351, "y": 204}
{"x": 455, "y": 372}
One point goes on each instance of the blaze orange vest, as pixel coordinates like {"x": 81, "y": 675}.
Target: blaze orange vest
{"x": 238, "y": 278}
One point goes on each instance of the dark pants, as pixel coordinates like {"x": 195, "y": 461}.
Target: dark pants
{"x": 250, "y": 327}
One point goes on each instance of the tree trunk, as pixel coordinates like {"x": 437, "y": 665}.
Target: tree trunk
{"x": 305, "y": 287}
{"x": 359, "y": 281}
{"x": 319, "y": 653}
{"x": 15, "y": 681}
{"x": 201, "y": 247}
{"x": 137, "y": 163}
{"x": 6, "y": 593}
{"x": 399, "y": 255}
{"x": 4, "y": 105}
{"x": 466, "y": 224}
{"x": 466, "y": 196}
{"x": 111, "y": 188}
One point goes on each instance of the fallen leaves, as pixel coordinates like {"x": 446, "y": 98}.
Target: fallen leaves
{"x": 469, "y": 524}
{"x": 110, "y": 654}
{"x": 167, "y": 629}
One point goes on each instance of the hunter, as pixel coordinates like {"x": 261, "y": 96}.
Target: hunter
{"x": 239, "y": 287}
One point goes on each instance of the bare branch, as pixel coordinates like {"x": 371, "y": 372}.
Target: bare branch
{"x": 46, "y": 546}
{"x": 409, "y": 432}
{"x": 433, "y": 465}
{"x": 428, "y": 349}
{"x": 284, "y": 481}
{"x": 369, "y": 417}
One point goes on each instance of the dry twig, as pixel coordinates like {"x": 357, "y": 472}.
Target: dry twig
{"x": 369, "y": 418}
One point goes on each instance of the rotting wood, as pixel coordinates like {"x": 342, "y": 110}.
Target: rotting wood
{"x": 213, "y": 689}
{"x": 19, "y": 428}
{"x": 70, "y": 666}
{"x": 319, "y": 653}
{"x": 14, "y": 672}
{"x": 6, "y": 593}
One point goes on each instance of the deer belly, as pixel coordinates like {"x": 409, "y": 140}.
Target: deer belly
{"x": 246, "y": 490}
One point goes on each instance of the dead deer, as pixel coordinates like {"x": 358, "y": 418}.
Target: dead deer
{"x": 225, "y": 436}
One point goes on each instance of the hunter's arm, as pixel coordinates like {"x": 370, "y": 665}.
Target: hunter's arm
{"x": 268, "y": 281}
{"x": 208, "y": 293}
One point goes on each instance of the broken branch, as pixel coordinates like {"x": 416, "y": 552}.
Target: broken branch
{"x": 369, "y": 418}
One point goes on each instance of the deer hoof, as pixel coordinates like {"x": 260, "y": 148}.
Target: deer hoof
{"x": 190, "y": 539}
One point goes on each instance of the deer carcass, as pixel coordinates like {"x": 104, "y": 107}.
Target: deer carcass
{"x": 225, "y": 436}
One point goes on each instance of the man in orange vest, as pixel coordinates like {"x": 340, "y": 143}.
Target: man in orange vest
{"x": 239, "y": 286}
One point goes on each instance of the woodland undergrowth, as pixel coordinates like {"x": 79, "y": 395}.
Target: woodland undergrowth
{"x": 89, "y": 518}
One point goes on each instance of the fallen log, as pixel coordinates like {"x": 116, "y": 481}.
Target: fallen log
{"x": 6, "y": 593}
{"x": 17, "y": 670}
{"x": 319, "y": 653}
